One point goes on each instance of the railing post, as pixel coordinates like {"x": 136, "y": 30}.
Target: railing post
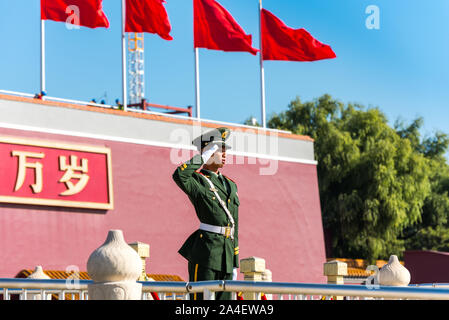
{"x": 143, "y": 250}
{"x": 38, "y": 273}
{"x": 268, "y": 277}
{"x": 208, "y": 295}
{"x": 393, "y": 273}
{"x": 253, "y": 269}
{"x": 335, "y": 271}
{"x": 114, "y": 267}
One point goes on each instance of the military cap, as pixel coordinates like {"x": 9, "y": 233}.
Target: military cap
{"x": 218, "y": 136}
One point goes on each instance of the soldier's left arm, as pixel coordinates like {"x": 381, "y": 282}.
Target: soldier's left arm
{"x": 235, "y": 213}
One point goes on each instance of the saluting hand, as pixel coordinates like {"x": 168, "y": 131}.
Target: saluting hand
{"x": 208, "y": 151}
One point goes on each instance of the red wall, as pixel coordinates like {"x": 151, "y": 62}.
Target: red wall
{"x": 280, "y": 217}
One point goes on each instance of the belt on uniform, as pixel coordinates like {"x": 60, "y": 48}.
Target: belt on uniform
{"x": 226, "y": 231}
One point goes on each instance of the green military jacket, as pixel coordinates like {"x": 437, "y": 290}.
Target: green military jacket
{"x": 209, "y": 249}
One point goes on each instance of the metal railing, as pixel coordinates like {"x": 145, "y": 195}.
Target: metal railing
{"x": 312, "y": 291}
{"x": 107, "y": 106}
{"x": 430, "y": 285}
{"x": 43, "y": 289}
{"x": 77, "y": 289}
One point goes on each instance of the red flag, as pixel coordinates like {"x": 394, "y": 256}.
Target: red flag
{"x": 280, "y": 42}
{"x": 216, "y": 29}
{"x": 86, "y": 13}
{"x": 147, "y": 16}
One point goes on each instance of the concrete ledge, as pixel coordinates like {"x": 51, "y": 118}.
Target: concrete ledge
{"x": 132, "y": 127}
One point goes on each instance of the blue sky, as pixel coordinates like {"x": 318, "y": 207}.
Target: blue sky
{"x": 402, "y": 68}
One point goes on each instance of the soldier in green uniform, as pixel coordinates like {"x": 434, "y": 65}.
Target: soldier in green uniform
{"x": 212, "y": 251}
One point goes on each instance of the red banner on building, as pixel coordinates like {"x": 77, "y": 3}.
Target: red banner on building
{"x": 50, "y": 173}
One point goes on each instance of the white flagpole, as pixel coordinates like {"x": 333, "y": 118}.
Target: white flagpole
{"x": 262, "y": 74}
{"x": 42, "y": 56}
{"x": 124, "y": 91}
{"x": 197, "y": 83}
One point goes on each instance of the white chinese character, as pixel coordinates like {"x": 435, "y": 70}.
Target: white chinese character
{"x": 70, "y": 174}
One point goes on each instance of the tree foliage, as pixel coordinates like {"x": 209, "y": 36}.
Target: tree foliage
{"x": 383, "y": 189}
{"x": 251, "y": 121}
{"x": 432, "y": 233}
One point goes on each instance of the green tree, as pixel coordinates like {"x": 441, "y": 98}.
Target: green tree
{"x": 251, "y": 121}
{"x": 372, "y": 181}
{"x": 432, "y": 232}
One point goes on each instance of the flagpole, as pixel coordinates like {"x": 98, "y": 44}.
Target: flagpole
{"x": 43, "y": 85}
{"x": 124, "y": 92}
{"x": 197, "y": 83}
{"x": 262, "y": 73}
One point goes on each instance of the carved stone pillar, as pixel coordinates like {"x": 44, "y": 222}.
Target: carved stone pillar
{"x": 253, "y": 269}
{"x": 38, "y": 273}
{"x": 394, "y": 273}
{"x": 335, "y": 271}
{"x": 114, "y": 267}
{"x": 143, "y": 250}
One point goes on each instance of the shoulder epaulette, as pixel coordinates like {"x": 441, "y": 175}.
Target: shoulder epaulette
{"x": 198, "y": 171}
{"x": 228, "y": 178}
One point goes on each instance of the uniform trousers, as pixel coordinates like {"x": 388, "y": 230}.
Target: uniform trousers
{"x": 201, "y": 273}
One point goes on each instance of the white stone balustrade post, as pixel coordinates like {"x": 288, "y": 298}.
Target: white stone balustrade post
{"x": 268, "y": 277}
{"x": 143, "y": 250}
{"x": 114, "y": 268}
{"x": 38, "y": 273}
{"x": 393, "y": 273}
{"x": 335, "y": 271}
{"x": 253, "y": 269}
